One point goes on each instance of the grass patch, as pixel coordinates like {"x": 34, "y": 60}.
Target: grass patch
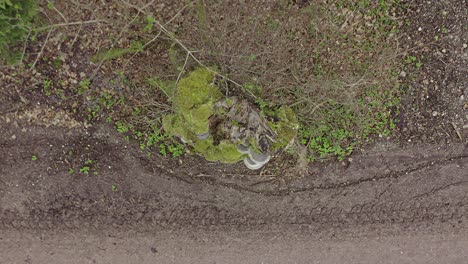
{"x": 334, "y": 63}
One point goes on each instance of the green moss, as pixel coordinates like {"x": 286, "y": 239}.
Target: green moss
{"x": 194, "y": 103}
{"x": 195, "y": 99}
{"x": 286, "y": 128}
{"x": 225, "y": 152}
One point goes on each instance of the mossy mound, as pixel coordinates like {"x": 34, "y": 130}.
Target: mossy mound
{"x": 195, "y": 99}
{"x": 200, "y": 109}
{"x": 194, "y": 102}
{"x": 225, "y": 151}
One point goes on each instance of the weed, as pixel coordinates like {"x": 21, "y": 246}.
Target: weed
{"x": 83, "y": 86}
{"x": 85, "y": 170}
{"x": 93, "y": 112}
{"x": 253, "y": 88}
{"x": 149, "y": 24}
{"x": 176, "y": 149}
{"x": 162, "y": 150}
{"x": 57, "y": 63}
{"x": 71, "y": 171}
{"x": 114, "y": 188}
{"x": 107, "y": 100}
{"x": 34, "y": 157}
{"x": 121, "y": 127}
{"x": 414, "y": 60}
{"x": 16, "y": 18}
{"x": 261, "y": 103}
{"x": 47, "y": 85}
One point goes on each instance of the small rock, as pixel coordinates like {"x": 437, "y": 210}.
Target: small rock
{"x": 13, "y": 137}
{"x": 435, "y": 113}
{"x": 420, "y": 29}
{"x": 403, "y": 74}
{"x": 465, "y": 46}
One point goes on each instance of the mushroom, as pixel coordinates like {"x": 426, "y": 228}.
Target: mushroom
{"x": 203, "y": 136}
{"x": 258, "y": 157}
{"x": 252, "y": 164}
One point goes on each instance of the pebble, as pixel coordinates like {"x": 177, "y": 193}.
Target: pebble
{"x": 465, "y": 46}
{"x": 13, "y": 137}
{"x": 435, "y": 113}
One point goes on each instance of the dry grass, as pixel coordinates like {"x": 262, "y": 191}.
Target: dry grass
{"x": 334, "y": 62}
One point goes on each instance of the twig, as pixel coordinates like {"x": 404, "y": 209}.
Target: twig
{"x": 189, "y": 52}
{"x": 157, "y": 36}
{"x": 25, "y": 45}
{"x": 142, "y": 48}
{"x": 93, "y": 74}
{"x": 42, "y": 49}
{"x": 60, "y": 13}
{"x": 180, "y": 74}
{"x": 176, "y": 15}
{"x": 72, "y": 24}
{"x": 76, "y": 36}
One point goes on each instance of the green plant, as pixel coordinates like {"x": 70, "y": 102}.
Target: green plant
{"x": 47, "y": 85}
{"x": 34, "y": 157}
{"x": 71, "y": 171}
{"x": 121, "y": 127}
{"x": 83, "y": 86}
{"x": 176, "y": 149}
{"x": 114, "y": 188}
{"x": 16, "y": 18}
{"x": 149, "y": 24}
{"x": 93, "y": 112}
{"x": 85, "y": 170}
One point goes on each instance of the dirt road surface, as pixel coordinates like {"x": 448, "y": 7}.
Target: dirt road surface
{"x": 387, "y": 205}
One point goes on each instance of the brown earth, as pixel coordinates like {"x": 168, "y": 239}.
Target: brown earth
{"x": 400, "y": 200}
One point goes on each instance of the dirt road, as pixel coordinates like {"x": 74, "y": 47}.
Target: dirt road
{"x": 401, "y": 205}
{"x": 228, "y": 247}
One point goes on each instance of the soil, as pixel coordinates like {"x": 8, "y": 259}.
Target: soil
{"x": 403, "y": 199}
